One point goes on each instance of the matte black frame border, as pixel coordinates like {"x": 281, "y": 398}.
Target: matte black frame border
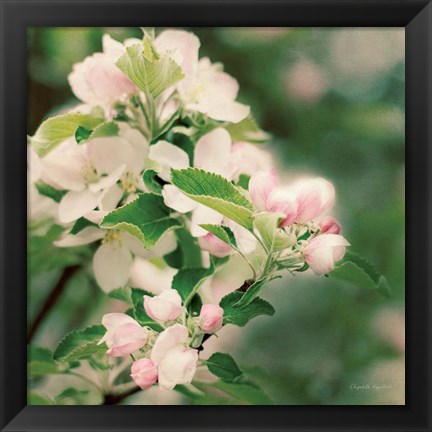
{"x": 17, "y": 15}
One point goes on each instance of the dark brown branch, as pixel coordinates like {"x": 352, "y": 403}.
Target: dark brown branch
{"x": 51, "y": 300}
{"x": 113, "y": 399}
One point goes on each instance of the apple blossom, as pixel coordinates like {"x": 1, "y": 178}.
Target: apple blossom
{"x": 144, "y": 373}
{"x": 211, "y": 318}
{"x": 90, "y": 171}
{"x": 176, "y": 363}
{"x": 97, "y": 80}
{"x": 124, "y": 335}
{"x": 166, "y": 306}
{"x": 322, "y": 252}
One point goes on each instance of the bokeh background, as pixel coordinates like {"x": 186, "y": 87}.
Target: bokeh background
{"x": 333, "y": 100}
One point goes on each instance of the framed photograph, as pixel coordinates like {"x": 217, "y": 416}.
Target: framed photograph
{"x": 215, "y": 216}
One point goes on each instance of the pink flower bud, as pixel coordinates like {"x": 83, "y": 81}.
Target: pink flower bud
{"x": 211, "y": 318}
{"x": 144, "y": 373}
{"x": 214, "y": 245}
{"x": 314, "y": 196}
{"x": 124, "y": 335}
{"x": 322, "y": 252}
{"x": 164, "y": 307}
{"x": 329, "y": 225}
{"x": 261, "y": 185}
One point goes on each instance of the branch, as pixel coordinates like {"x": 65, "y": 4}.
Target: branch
{"x": 51, "y": 300}
{"x": 113, "y": 399}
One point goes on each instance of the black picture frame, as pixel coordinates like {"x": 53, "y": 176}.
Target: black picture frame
{"x": 17, "y": 15}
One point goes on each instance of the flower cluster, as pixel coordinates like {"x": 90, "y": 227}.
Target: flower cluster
{"x": 160, "y": 162}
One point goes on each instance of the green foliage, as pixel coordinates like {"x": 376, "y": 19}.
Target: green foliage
{"x": 360, "y": 273}
{"x": 247, "y": 130}
{"x": 40, "y": 362}
{"x": 80, "y": 344}
{"x": 44, "y": 256}
{"x": 223, "y": 366}
{"x": 35, "y": 398}
{"x": 222, "y": 232}
{"x": 147, "y": 70}
{"x": 187, "y": 281}
{"x": 123, "y": 294}
{"x": 188, "y": 252}
{"x": 105, "y": 129}
{"x": 139, "y": 312}
{"x": 56, "y": 129}
{"x": 147, "y": 218}
{"x": 71, "y": 396}
{"x": 215, "y": 192}
{"x": 240, "y": 315}
{"x": 149, "y": 178}
{"x": 245, "y": 393}
{"x": 50, "y": 192}
{"x": 251, "y": 293}
{"x": 80, "y": 224}
{"x": 274, "y": 238}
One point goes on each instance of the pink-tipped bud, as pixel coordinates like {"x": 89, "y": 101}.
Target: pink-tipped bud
{"x": 211, "y": 318}
{"x": 329, "y": 225}
{"x": 144, "y": 373}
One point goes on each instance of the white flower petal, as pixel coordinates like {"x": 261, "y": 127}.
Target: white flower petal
{"x": 86, "y": 236}
{"x": 203, "y": 215}
{"x": 168, "y": 339}
{"x": 110, "y": 198}
{"x": 174, "y": 198}
{"x": 212, "y": 151}
{"x": 145, "y": 275}
{"x": 76, "y": 204}
{"x": 111, "y": 265}
{"x": 169, "y": 156}
{"x": 109, "y": 180}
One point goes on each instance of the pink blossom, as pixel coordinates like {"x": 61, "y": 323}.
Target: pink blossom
{"x": 124, "y": 335}
{"x": 329, "y": 225}
{"x": 144, "y": 373}
{"x": 214, "y": 245}
{"x": 97, "y": 79}
{"x": 313, "y": 196}
{"x": 176, "y": 363}
{"x": 211, "y": 318}
{"x": 164, "y": 307}
{"x": 322, "y": 252}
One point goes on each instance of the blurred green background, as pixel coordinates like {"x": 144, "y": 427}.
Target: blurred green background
{"x": 333, "y": 99}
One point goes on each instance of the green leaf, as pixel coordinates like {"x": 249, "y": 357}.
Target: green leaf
{"x": 243, "y": 181}
{"x": 71, "y": 394}
{"x": 240, "y": 316}
{"x": 49, "y": 191}
{"x": 151, "y": 181}
{"x": 247, "y": 130}
{"x": 187, "y": 281}
{"x": 215, "y": 192}
{"x": 147, "y": 218}
{"x": 251, "y": 293}
{"x": 222, "y": 232}
{"x": 274, "y": 238}
{"x": 139, "y": 312}
{"x": 149, "y": 72}
{"x": 82, "y": 134}
{"x": 80, "y": 224}
{"x": 360, "y": 273}
{"x": 40, "y": 362}
{"x": 80, "y": 344}
{"x": 223, "y": 366}
{"x": 188, "y": 252}
{"x": 245, "y": 392}
{"x": 56, "y": 129}
{"x": 123, "y": 294}
{"x": 34, "y": 398}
